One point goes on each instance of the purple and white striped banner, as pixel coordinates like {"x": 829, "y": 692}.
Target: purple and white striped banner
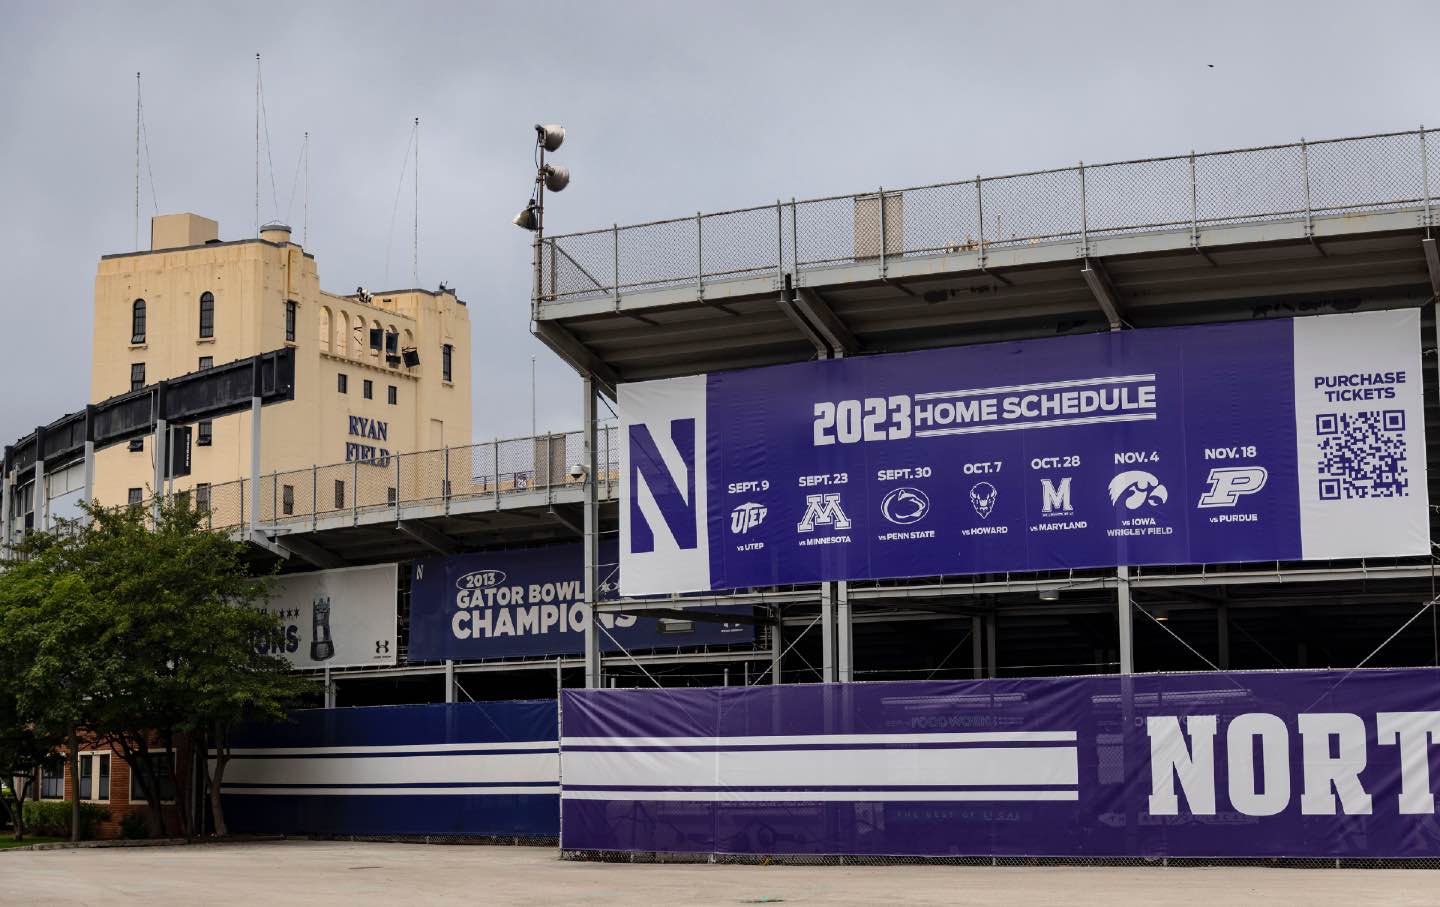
{"x": 1300, "y": 764}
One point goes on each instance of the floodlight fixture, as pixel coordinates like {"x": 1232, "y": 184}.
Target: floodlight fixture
{"x": 556, "y": 177}
{"x": 549, "y": 137}
{"x": 1050, "y": 595}
{"x": 528, "y": 219}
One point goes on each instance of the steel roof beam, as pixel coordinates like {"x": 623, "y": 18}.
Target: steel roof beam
{"x": 787, "y": 305}
{"x": 1432, "y": 263}
{"x": 1104, "y": 291}
{"x": 836, "y": 334}
{"x": 564, "y": 345}
{"x": 429, "y": 536}
{"x": 309, "y": 551}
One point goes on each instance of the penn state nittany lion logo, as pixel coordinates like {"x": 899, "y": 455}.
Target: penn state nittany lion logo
{"x": 982, "y": 498}
{"x": 904, "y": 506}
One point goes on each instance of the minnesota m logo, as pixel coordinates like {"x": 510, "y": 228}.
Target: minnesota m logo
{"x": 677, "y": 507}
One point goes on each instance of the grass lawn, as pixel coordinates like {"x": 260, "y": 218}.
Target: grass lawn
{"x": 7, "y": 841}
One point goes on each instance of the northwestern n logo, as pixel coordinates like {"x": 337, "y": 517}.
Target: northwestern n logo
{"x": 677, "y": 508}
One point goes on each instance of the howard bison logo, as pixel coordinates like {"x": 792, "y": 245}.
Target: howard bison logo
{"x": 982, "y": 498}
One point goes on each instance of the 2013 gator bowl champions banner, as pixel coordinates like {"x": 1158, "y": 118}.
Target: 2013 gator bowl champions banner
{"x": 530, "y": 601}
{"x": 1287, "y": 439}
{"x": 1257, "y": 764}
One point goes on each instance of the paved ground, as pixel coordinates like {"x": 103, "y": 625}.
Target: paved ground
{"x": 323, "y": 873}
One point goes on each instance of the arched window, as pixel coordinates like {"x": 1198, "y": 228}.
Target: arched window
{"x": 207, "y": 314}
{"x": 137, "y": 321}
{"x": 325, "y": 328}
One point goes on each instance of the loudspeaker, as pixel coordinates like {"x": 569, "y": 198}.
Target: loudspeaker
{"x": 377, "y": 338}
{"x": 412, "y": 358}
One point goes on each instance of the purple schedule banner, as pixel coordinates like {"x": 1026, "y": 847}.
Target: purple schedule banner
{"x": 531, "y": 601}
{"x": 1289, "y": 439}
{"x": 1266, "y": 764}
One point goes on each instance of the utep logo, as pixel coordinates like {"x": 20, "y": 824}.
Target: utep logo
{"x": 1136, "y": 488}
{"x": 746, "y": 517}
{"x": 677, "y": 508}
{"x": 983, "y": 495}
{"x": 904, "y": 506}
{"x": 823, "y": 510}
{"x": 1055, "y": 498}
{"x": 1229, "y": 483}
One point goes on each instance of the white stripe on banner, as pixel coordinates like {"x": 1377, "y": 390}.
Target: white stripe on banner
{"x": 383, "y": 791}
{"x": 973, "y": 766}
{"x": 461, "y": 770}
{"x": 1044, "y": 385}
{"x": 808, "y": 739}
{"x": 816, "y": 796}
{"x": 1048, "y": 423}
{"x": 538, "y": 746}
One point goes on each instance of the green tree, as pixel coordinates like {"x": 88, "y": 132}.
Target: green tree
{"x": 154, "y": 640}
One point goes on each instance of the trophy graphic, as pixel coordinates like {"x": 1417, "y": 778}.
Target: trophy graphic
{"x": 322, "y": 647}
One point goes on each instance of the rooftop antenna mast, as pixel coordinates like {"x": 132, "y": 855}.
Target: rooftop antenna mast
{"x": 415, "y": 249}
{"x": 137, "y": 162}
{"x": 305, "y": 230}
{"x": 257, "y": 144}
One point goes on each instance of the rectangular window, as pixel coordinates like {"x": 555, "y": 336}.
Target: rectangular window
{"x": 137, "y": 444}
{"x": 290, "y": 321}
{"x": 446, "y": 353}
{"x": 390, "y": 496}
{"x": 132, "y": 497}
{"x": 52, "y": 779}
{"x": 207, "y": 316}
{"x": 202, "y": 496}
{"x": 368, "y": 390}
{"x": 204, "y": 434}
{"x": 287, "y": 499}
{"x": 339, "y": 494}
{"x": 90, "y": 787}
{"x": 342, "y": 383}
{"x": 207, "y": 362}
{"x": 160, "y": 764}
{"x": 137, "y": 375}
{"x": 392, "y": 394}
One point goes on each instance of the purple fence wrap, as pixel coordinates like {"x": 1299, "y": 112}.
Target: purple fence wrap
{"x": 1298, "y": 764}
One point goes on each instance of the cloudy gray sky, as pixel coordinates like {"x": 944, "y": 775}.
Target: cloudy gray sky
{"x": 671, "y": 108}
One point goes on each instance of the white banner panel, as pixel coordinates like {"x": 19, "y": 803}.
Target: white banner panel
{"x": 663, "y": 486}
{"x": 336, "y": 618}
{"x": 1360, "y": 435}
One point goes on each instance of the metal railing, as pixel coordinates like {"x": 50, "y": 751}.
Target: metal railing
{"x": 489, "y": 469}
{"x": 1183, "y": 192}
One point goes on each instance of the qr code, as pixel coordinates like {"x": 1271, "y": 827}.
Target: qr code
{"x": 1362, "y": 455}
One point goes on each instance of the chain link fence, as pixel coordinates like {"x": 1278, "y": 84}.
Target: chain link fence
{"x": 490, "y": 469}
{"x": 1182, "y": 192}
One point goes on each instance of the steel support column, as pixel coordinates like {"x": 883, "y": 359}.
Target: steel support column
{"x": 1126, "y": 614}
{"x": 449, "y": 680}
{"x": 776, "y": 639}
{"x": 593, "y": 678}
{"x": 827, "y": 632}
{"x": 329, "y": 690}
{"x": 977, "y": 647}
{"x": 991, "y": 644}
{"x": 40, "y": 497}
{"x": 1222, "y": 633}
{"x": 255, "y": 457}
{"x": 844, "y": 635}
{"x": 7, "y": 492}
